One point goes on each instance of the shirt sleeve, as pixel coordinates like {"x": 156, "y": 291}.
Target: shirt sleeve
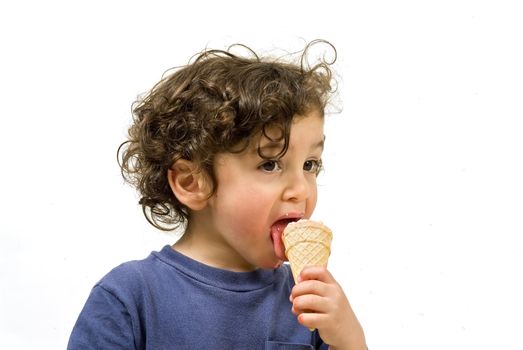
{"x": 104, "y": 323}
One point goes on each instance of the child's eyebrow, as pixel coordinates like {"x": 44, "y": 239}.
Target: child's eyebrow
{"x": 275, "y": 146}
{"x": 320, "y": 144}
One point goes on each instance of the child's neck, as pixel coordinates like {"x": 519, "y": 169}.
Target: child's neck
{"x": 203, "y": 245}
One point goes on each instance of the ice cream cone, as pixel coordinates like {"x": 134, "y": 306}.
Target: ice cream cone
{"x": 306, "y": 243}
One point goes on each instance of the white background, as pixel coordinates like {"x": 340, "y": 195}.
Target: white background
{"x": 423, "y": 180}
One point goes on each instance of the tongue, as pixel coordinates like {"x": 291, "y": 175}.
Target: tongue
{"x": 276, "y": 234}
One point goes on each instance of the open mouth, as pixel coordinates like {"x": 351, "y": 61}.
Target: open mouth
{"x": 276, "y": 234}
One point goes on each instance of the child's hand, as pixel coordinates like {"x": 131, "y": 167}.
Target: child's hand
{"x": 319, "y": 302}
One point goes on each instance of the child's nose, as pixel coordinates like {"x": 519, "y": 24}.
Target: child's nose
{"x": 297, "y": 188}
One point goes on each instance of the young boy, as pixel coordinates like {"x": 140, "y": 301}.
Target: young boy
{"x": 227, "y": 148}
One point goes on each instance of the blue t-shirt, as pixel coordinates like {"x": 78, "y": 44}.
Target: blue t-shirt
{"x": 169, "y": 301}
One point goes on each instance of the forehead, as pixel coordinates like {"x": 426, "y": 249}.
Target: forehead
{"x": 305, "y": 131}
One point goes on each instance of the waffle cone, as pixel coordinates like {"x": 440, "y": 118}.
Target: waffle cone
{"x": 306, "y": 243}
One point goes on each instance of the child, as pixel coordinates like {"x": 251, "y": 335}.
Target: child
{"x": 227, "y": 148}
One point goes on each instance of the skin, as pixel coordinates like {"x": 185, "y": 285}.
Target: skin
{"x": 319, "y": 302}
{"x": 232, "y": 229}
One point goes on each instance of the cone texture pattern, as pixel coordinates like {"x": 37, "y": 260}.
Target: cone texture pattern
{"x": 306, "y": 243}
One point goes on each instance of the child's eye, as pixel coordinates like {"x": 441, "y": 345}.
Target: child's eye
{"x": 270, "y": 166}
{"x": 312, "y": 166}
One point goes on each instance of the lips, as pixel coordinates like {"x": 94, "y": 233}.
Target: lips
{"x": 276, "y": 234}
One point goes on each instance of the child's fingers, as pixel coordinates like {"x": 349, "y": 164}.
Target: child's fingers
{"x": 313, "y": 320}
{"x": 310, "y": 303}
{"x": 314, "y": 280}
{"x": 309, "y": 287}
{"x": 316, "y": 273}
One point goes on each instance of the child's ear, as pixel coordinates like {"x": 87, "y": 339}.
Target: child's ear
{"x": 188, "y": 184}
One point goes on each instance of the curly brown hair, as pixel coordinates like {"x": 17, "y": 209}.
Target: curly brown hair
{"x": 215, "y": 104}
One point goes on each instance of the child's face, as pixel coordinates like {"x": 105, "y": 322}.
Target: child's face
{"x": 256, "y": 197}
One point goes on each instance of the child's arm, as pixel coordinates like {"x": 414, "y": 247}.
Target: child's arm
{"x": 319, "y": 302}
